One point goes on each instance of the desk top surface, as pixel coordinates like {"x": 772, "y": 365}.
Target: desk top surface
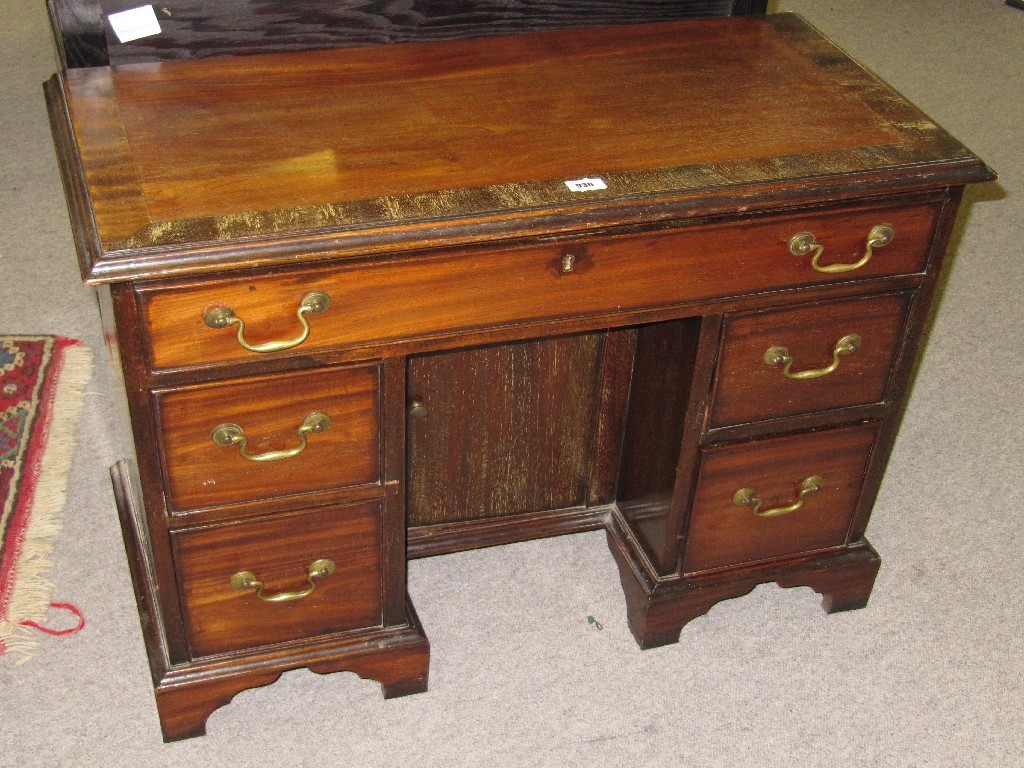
{"x": 463, "y": 140}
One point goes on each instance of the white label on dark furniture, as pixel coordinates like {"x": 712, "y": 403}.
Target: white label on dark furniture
{"x": 586, "y": 185}
{"x": 135, "y": 23}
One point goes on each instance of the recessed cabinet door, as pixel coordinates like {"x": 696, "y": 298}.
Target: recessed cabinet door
{"x": 502, "y": 430}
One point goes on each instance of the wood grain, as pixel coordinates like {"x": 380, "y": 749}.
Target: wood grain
{"x": 507, "y": 430}
{"x": 658, "y": 610}
{"x": 565, "y": 110}
{"x": 397, "y": 658}
{"x": 278, "y": 551}
{"x": 421, "y": 186}
{"x": 750, "y": 390}
{"x": 724, "y": 534}
{"x": 406, "y": 133}
{"x": 658, "y": 396}
{"x": 560, "y": 104}
{"x": 489, "y": 288}
{"x": 200, "y": 473}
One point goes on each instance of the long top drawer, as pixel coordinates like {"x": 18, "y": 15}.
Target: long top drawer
{"x": 311, "y": 310}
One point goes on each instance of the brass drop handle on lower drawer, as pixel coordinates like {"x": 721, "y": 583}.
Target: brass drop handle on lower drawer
{"x": 232, "y": 434}
{"x": 313, "y": 303}
{"x": 747, "y": 497}
{"x": 776, "y": 355}
{"x": 318, "y": 569}
{"x": 802, "y": 244}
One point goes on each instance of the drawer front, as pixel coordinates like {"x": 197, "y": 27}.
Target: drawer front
{"x": 245, "y": 439}
{"x": 479, "y": 289}
{"x": 276, "y": 598}
{"x": 743, "y": 493}
{"x": 805, "y": 359}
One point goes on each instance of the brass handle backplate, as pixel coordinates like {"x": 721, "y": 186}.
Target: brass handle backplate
{"x": 747, "y": 497}
{"x": 318, "y": 569}
{"x": 780, "y": 355}
{"x": 313, "y": 303}
{"x": 802, "y": 244}
{"x": 232, "y": 434}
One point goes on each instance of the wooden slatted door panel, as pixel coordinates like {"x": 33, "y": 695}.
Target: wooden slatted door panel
{"x": 501, "y": 430}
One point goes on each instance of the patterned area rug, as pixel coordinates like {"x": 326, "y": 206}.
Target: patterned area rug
{"x": 41, "y": 383}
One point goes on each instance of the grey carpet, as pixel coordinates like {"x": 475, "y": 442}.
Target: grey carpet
{"x": 928, "y": 675}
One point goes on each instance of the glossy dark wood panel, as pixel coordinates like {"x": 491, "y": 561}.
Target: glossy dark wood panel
{"x": 197, "y": 28}
{"x": 278, "y": 551}
{"x": 393, "y": 411}
{"x": 78, "y": 34}
{"x": 750, "y": 390}
{"x": 201, "y": 473}
{"x": 722, "y": 533}
{"x": 504, "y": 430}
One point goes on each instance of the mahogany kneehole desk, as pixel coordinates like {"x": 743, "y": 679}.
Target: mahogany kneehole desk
{"x": 360, "y": 316}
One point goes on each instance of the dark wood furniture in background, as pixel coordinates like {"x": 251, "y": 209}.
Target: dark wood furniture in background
{"x": 201, "y": 28}
{"x": 705, "y": 352}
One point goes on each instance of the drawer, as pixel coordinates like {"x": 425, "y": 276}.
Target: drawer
{"x": 248, "y": 584}
{"x": 744, "y": 491}
{"x": 809, "y": 358}
{"x": 262, "y": 437}
{"x": 470, "y": 290}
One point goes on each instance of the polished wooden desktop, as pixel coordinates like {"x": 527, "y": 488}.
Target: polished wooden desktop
{"x": 668, "y": 280}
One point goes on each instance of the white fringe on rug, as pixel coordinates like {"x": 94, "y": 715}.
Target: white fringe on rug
{"x": 30, "y": 598}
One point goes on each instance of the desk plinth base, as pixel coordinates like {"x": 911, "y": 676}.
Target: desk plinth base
{"x": 657, "y": 610}
{"x": 187, "y": 694}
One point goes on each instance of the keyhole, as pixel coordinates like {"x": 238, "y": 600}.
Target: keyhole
{"x": 568, "y": 263}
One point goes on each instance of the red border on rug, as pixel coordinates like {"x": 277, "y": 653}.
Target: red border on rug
{"x": 40, "y": 434}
